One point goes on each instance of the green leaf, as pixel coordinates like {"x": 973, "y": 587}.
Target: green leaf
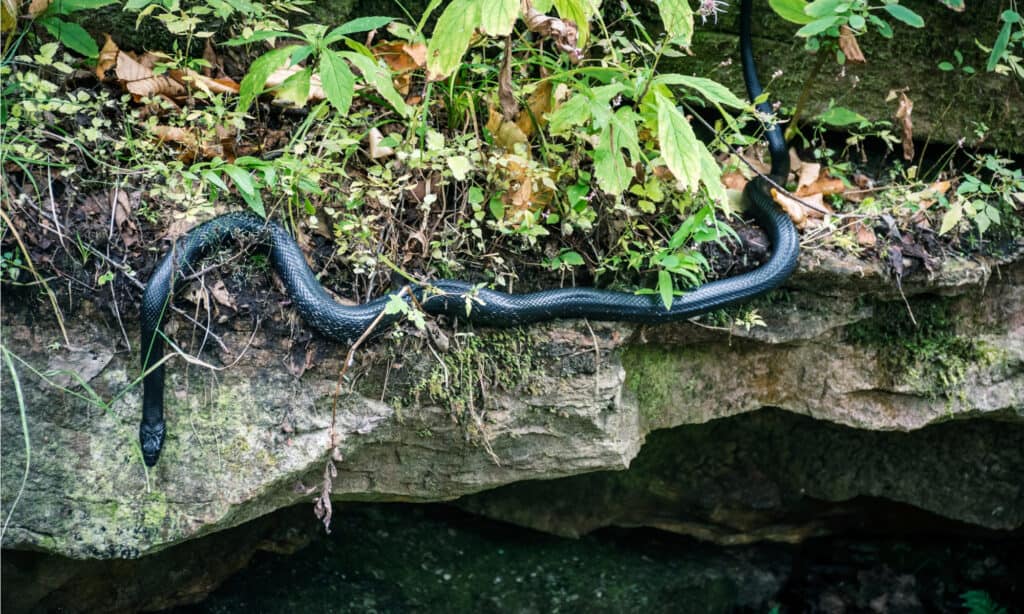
{"x": 902, "y": 13}
{"x": 338, "y": 81}
{"x": 665, "y": 288}
{"x": 295, "y": 89}
{"x": 679, "y": 145}
{"x": 499, "y": 16}
{"x": 451, "y": 37}
{"x": 1011, "y": 16}
{"x": 243, "y": 181}
{"x": 254, "y": 80}
{"x": 362, "y": 24}
{"x": 572, "y": 258}
{"x": 580, "y": 12}
{"x": 259, "y": 35}
{"x": 612, "y": 167}
{"x": 66, "y": 7}
{"x": 857, "y": 22}
{"x": 791, "y": 10}
{"x": 999, "y": 48}
{"x": 945, "y": 66}
{"x": 379, "y": 78}
{"x": 497, "y": 208}
{"x": 841, "y": 116}
{"x": 573, "y": 112}
{"x": 71, "y": 35}
{"x": 712, "y": 90}
{"x": 818, "y": 26}
{"x": 823, "y": 8}
{"x": 711, "y": 176}
{"x": 677, "y": 17}
{"x": 460, "y": 167}
{"x": 396, "y": 305}
{"x": 956, "y": 5}
{"x": 951, "y": 218}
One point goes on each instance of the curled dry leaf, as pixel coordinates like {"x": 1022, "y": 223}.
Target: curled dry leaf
{"x": 734, "y": 180}
{"x": 538, "y": 105}
{"x": 220, "y": 293}
{"x": 402, "y": 58}
{"x": 792, "y": 207}
{"x": 823, "y": 186}
{"x": 316, "y": 88}
{"x": 808, "y": 174}
{"x": 848, "y": 45}
{"x": 563, "y": 32}
{"x": 136, "y": 73}
{"x": 865, "y": 236}
{"x": 377, "y": 150}
{"x": 903, "y": 117}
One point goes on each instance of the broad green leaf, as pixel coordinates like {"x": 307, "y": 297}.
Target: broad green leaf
{"x": 66, "y": 7}
{"x": 611, "y": 168}
{"x": 460, "y": 167}
{"x": 951, "y": 218}
{"x": 572, "y": 112}
{"x": 956, "y": 5}
{"x": 260, "y": 35}
{"x": 902, "y": 13}
{"x": 857, "y": 22}
{"x": 712, "y": 90}
{"x": 8, "y": 14}
{"x": 243, "y": 181}
{"x": 254, "y": 80}
{"x": 791, "y": 10}
{"x": 337, "y": 79}
{"x": 361, "y": 24}
{"x": 841, "y": 116}
{"x": 679, "y": 145}
{"x": 71, "y": 35}
{"x": 572, "y": 258}
{"x": 295, "y": 89}
{"x": 817, "y": 26}
{"x": 395, "y": 305}
{"x": 498, "y": 17}
{"x": 823, "y": 8}
{"x": 580, "y": 12}
{"x": 451, "y": 37}
{"x": 711, "y": 175}
{"x": 379, "y": 78}
{"x": 999, "y": 48}
{"x": 665, "y": 288}
{"x": 677, "y": 17}
{"x": 1011, "y": 16}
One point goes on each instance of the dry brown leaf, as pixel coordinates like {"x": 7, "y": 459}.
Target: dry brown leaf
{"x": 220, "y": 293}
{"x": 903, "y": 116}
{"x": 222, "y": 148}
{"x": 734, "y": 180}
{"x": 136, "y": 73}
{"x": 401, "y": 56}
{"x": 38, "y": 7}
{"x": 848, "y": 45}
{"x": 824, "y": 185}
{"x": 538, "y": 106}
{"x": 809, "y": 173}
{"x": 795, "y": 163}
{"x": 926, "y": 197}
{"x": 378, "y": 151}
{"x": 795, "y": 211}
{"x": 223, "y": 85}
{"x": 563, "y": 32}
{"x": 316, "y": 88}
{"x": 865, "y": 236}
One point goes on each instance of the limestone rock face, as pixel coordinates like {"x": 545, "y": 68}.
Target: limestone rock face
{"x": 931, "y": 416}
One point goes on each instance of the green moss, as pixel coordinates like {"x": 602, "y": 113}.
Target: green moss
{"x": 476, "y": 364}
{"x": 931, "y": 356}
{"x": 154, "y": 510}
{"x": 649, "y": 370}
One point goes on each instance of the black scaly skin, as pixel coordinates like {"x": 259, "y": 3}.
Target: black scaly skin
{"x": 449, "y": 297}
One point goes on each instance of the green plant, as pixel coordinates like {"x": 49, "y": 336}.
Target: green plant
{"x": 1003, "y": 56}
{"x": 68, "y": 33}
{"x": 991, "y": 200}
{"x": 980, "y": 602}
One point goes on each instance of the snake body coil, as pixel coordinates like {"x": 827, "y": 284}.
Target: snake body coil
{"x": 489, "y": 307}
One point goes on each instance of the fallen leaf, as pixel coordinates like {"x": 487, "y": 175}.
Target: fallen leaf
{"x": 316, "y": 88}
{"x": 823, "y": 186}
{"x": 865, "y": 236}
{"x": 378, "y": 151}
{"x": 809, "y": 173}
{"x": 73, "y": 367}
{"x": 795, "y": 211}
{"x": 903, "y": 116}
{"x": 734, "y": 180}
{"x": 136, "y": 73}
{"x": 220, "y": 294}
{"x": 848, "y": 45}
{"x": 38, "y": 7}
{"x": 538, "y": 105}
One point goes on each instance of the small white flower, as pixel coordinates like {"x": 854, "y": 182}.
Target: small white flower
{"x": 711, "y": 8}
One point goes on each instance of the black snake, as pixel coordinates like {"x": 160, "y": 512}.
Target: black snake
{"x": 448, "y": 297}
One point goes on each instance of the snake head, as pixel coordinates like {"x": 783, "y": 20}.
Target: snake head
{"x": 151, "y": 436}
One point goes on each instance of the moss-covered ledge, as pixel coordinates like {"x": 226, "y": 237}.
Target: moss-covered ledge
{"x": 553, "y": 401}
